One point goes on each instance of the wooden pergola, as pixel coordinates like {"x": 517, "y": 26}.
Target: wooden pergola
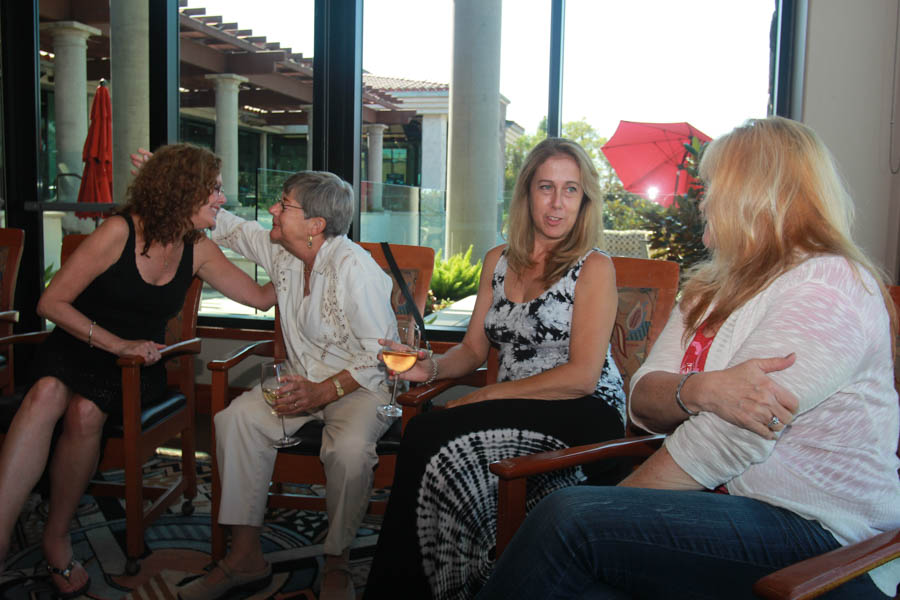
{"x": 279, "y": 86}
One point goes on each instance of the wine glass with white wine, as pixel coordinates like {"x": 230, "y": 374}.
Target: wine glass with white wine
{"x": 271, "y": 379}
{"x": 400, "y": 360}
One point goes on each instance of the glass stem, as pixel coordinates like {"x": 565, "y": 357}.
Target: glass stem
{"x": 283, "y": 432}
{"x": 394, "y": 393}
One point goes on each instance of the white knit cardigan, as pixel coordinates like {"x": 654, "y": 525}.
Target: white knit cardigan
{"x": 836, "y": 463}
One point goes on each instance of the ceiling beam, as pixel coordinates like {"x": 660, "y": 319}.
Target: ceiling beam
{"x": 288, "y": 86}
{"x": 291, "y": 118}
{"x": 204, "y": 57}
{"x": 256, "y": 63}
{"x": 265, "y": 99}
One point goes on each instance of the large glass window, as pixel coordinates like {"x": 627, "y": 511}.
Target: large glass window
{"x": 699, "y": 61}
{"x": 261, "y": 63}
{"x": 702, "y": 62}
{"x": 405, "y": 114}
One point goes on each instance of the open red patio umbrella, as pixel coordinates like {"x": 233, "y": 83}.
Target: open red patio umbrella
{"x": 649, "y": 158}
{"x": 96, "y": 179}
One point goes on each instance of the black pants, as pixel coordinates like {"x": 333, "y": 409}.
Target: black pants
{"x": 439, "y": 529}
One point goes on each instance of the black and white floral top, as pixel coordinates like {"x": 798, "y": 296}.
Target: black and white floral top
{"x": 533, "y": 337}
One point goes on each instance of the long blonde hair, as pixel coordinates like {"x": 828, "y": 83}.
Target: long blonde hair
{"x": 584, "y": 234}
{"x": 774, "y": 198}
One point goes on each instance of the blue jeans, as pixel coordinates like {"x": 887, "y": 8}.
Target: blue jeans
{"x": 615, "y": 542}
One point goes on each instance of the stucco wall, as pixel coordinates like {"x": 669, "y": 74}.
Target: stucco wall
{"x": 846, "y": 98}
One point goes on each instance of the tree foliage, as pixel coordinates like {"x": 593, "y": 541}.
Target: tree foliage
{"x": 677, "y": 231}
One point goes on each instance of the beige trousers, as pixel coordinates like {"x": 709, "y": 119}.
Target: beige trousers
{"x": 244, "y": 434}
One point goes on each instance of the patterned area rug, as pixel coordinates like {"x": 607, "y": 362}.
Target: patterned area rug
{"x": 178, "y": 547}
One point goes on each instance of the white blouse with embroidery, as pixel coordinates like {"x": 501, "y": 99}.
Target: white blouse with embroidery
{"x": 335, "y": 327}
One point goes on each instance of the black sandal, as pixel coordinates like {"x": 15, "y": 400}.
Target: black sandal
{"x": 66, "y": 574}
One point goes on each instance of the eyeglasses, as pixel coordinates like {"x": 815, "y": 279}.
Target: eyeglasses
{"x": 217, "y": 189}
{"x": 285, "y": 206}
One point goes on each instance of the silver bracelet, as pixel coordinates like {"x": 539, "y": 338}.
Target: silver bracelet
{"x": 434, "y": 371}
{"x": 91, "y": 335}
{"x": 678, "y": 394}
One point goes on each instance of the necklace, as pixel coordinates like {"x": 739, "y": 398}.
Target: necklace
{"x": 167, "y": 254}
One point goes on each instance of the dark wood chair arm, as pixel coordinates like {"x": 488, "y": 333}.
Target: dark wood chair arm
{"x": 815, "y": 576}
{"x": 544, "y": 462}
{"x": 9, "y": 316}
{"x": 191, "y": 346}
{"x": 32, "y": 337}
{"x": 513, "y": 474}
{"x": 261, "y": 348}
{"x": 420, "y": 394}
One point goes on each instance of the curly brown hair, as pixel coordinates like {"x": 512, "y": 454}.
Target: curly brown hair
{"x": 167, "y": 191}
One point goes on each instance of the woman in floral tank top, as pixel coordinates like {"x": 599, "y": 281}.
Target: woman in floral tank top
{"x": 547, "y": 301}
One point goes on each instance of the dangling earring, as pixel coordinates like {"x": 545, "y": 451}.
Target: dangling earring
{"x": 309, "y": 241}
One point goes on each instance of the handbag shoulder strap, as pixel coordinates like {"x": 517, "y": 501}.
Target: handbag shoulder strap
{"x": 401, "y": 283}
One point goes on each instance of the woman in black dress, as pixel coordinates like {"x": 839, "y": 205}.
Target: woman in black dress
{"x": 113, "y": 298}
{"x": 547, "y": 300}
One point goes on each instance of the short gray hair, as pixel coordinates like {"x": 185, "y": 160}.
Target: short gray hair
{"x": 325, "y": 195}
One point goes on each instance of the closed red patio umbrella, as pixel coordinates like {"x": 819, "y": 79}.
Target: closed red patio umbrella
{"x": 96, "y": 179}
{"x": 649, "y": 158}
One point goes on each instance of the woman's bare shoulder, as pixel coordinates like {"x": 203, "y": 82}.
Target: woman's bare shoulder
{"x": 492, "y": 256}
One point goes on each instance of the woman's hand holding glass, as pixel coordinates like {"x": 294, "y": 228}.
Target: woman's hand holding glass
{"x": 272, "y": 379}
{"x": 400, "y": 358}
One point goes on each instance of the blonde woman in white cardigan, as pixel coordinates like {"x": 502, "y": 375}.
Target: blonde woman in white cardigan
{"x": 775, "y": 379}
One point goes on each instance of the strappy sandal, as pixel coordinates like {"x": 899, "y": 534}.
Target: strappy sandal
{"x": 67, "y": 574}
{"x": 234, "y": 582}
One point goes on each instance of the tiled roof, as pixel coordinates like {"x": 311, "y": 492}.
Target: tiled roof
{"x": 397, "y": 84}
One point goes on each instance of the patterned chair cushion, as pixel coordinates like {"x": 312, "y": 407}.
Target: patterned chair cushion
{"x": 631, "y": 329}
{"x": 398, "y": 302}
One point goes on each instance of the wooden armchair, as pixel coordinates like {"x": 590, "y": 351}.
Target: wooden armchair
{"x": 807, "y": 579}
{"x": 146, "y": 425}
{"x": 300, "y": 464}
{"x": 11, "y": 243}
{"x": 647, "y": 291}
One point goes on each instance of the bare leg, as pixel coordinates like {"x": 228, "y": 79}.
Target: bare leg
{"x": 337, "y": 584}
{"x": 25, "y": 450}
{"x": 71, "y": 468}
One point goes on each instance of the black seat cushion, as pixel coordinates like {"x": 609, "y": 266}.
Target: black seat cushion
{"x": 8, "y": 407}
{"x": 311, "y": 439}
{"x": 152, "y": 413}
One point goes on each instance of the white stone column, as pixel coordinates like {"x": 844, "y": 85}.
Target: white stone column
{"x": 71, "y": 107}
{"x": 375, "y": 137}
{"x": 227, "y": 86}
{"x": 129, "y": 87}
{"x": 474, "y": 122}
{"x": 434, "y": 152}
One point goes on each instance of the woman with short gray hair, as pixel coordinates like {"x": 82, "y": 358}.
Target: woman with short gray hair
{"x": 335, "y": 305}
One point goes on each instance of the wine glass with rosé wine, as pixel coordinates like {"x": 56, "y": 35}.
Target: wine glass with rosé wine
{"x": 400, "y": 360}
{"x": 271, "y": 379}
